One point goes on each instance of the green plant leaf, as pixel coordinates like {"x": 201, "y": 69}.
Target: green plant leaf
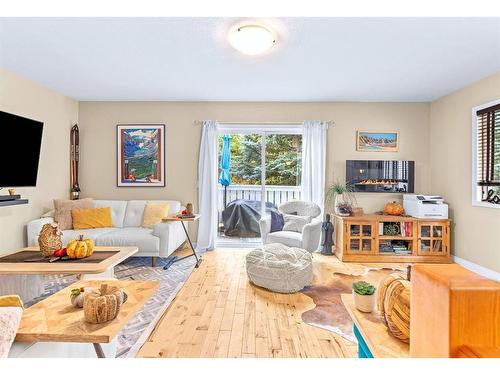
{"x": 363, "y": 288}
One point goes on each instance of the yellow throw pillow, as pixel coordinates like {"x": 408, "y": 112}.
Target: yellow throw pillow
{"x": 153, "y": 213}
{"x": 89, "y": 218}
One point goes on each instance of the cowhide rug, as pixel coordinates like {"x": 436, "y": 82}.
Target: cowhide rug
{"x": 330, "y": 313}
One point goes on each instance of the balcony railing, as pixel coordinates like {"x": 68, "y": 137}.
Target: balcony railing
{"x": 274, "y": 194}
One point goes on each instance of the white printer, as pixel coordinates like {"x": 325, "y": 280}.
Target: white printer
{"x": 425, "y": 206}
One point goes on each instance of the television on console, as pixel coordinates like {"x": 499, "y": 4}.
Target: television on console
{"x": 20, "y": 150}
{"x": 381, "y": 176}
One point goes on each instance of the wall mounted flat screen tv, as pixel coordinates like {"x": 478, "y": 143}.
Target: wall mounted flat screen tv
{"x": 20, "y": 150}
{"x": 381, "y": 176}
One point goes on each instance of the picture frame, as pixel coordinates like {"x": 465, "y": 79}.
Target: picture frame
{"x": 377, "y": 141}
{"x": 140, "y": 155}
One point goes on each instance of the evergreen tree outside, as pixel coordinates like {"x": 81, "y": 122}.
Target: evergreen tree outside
{"x": 283, "y": 159}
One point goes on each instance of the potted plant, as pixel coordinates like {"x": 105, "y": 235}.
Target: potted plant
{"x": 343, "y": 197}
{"x": 364, "y": 296}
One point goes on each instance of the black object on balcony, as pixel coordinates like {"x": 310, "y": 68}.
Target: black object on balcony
{"x": 241, "y": 218}
{"x": 381, "y": 176}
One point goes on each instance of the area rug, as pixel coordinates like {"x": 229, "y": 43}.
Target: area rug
{"x": 136, "y": 331}
{"x": 329, "y": 312}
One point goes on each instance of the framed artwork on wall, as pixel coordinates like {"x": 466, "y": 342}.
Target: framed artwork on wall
{"x": 140, "y": 155}
{"x": 377, "y": 141}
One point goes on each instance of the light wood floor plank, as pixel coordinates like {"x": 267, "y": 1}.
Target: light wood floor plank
{"x": 222, "y": 347}
{"x": 219, "y": 313}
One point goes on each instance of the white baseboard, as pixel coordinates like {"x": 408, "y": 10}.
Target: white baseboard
{"x": 483, "y": 271}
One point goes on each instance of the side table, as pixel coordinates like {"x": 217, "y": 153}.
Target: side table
{"x": 182, "y": 220}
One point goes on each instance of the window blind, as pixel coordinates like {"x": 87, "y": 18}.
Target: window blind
{"x": 488, "y": 137}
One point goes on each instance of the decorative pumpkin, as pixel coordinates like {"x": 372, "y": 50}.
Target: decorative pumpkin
{"x": 78, "y": 294}
{"x": 394, "y": 305}
{"x": 81, "y": 248}
{"x": 103, "y": 305}
{"x": 90, "y": 246}
{"x": 49, "y": 239}
{"x": 394, "y": 208}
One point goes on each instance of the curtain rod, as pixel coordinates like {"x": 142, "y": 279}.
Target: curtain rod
{"x": 198, "y": 122}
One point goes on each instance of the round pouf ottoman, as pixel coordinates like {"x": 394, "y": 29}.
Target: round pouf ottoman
{"x": 280, "y": 268}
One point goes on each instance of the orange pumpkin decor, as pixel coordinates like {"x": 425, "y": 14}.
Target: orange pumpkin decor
{"x": 394, "y": 209}
{"x": 81, "y": 248}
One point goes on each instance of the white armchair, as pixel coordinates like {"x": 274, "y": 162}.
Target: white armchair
{"x": 310, "y": 237}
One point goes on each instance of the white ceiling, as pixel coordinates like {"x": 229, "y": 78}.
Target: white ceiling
{"x": 315, "y": 59}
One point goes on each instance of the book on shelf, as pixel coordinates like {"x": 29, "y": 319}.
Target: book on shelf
{"x": 437, "y": 246}
{"x": 404, "y": 252}
{"x": 385, "y": 248}
{"x": 406, "y": 229}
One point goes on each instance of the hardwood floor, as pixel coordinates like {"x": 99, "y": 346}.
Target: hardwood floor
{"x": 218, "y": 313}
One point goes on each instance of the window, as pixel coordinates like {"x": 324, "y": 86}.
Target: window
{"x": 486, "y": 155}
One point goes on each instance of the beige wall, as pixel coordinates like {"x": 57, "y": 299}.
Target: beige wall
{"x": 58, "y": 113}
{"x": 98, "y": 140}
{"x": 475, "y": 228}
{"x": 446, "y": 122}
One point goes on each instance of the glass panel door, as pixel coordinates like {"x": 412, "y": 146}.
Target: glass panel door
{"x": 437, "y": 239}
{"x": 239, "y": 206}
{"x": 424, "y": 239}
{"x": 360, "y": 240}
{"x": 283, "y": 169}
{"x": 431, "y": 236}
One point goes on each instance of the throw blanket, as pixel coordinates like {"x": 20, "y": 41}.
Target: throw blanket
{"x": 11, "y": 312}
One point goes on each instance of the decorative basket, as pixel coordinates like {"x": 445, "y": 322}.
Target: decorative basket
{"x": 49, "y": 239}
{"x": 394, "y": 305}
{"x": 103, "y": 305}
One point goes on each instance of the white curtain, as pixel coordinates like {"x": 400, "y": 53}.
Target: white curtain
{"x": 207, "y": 185}
{"x": 314, "y": 162}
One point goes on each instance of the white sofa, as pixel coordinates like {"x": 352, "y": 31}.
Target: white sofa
{"x": 127, "y": 217}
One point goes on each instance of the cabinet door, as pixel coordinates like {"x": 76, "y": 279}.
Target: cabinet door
{"x": 359, "y": 238}
{"x": 432, "y": 238}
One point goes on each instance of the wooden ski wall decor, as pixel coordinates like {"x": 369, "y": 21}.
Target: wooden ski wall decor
{"x": 75, "y": 157}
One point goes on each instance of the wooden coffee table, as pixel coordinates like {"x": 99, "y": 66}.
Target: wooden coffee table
{"x": 55, "y": 320}
{"x": 83, "y": 267}
{"x": 372, "y": 334}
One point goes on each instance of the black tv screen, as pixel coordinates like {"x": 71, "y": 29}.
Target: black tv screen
{"x": 20, "y": 150}
{"x": 381, "y": 176}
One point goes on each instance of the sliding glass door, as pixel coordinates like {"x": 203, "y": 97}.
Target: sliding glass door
{"x": 262, "y": 171}
{"x": 283, "y": 168}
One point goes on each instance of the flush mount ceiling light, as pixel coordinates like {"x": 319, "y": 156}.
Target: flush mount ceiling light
{"x": 252, "y": 39}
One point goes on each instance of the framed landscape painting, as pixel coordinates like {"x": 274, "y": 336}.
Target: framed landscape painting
{"x": 141, "y": 155}
{"x": 377, "y": 141}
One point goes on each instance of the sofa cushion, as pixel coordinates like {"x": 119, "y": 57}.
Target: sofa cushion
{"x": 277, "y": 221}
{"x": 134, "y": 214}
{"x": 175, "y": 206}
{"x": 73, "y": 234}
{"x": 117, "y": 210}
{"x": 143, "y": 238}
{"x": 295, "y": 223}
{"x": 63, "y": 207}
{"x": 288, "y": 238}
{"x": 90, "y": 218}
{"x": 153, "y": 213}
